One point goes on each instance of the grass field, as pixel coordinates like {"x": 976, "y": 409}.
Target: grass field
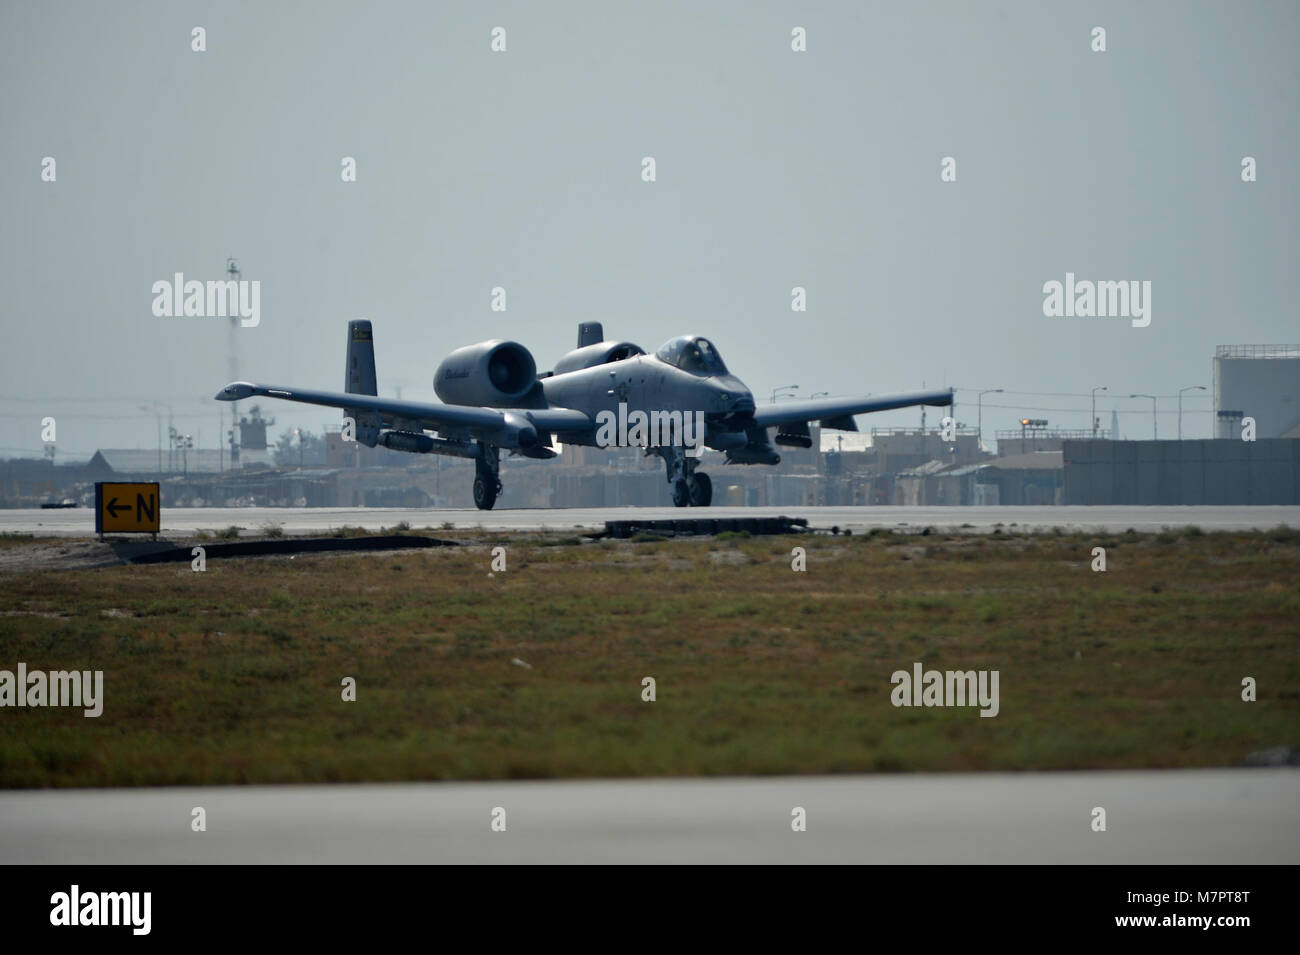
{"x": 234, "y": 675}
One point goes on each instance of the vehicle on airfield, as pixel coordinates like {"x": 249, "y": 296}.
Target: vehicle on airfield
{"x": 495, "y": 400}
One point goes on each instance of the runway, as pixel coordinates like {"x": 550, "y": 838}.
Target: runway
{"x": 1152, "y": 817}
{"x": 79, "y": 522}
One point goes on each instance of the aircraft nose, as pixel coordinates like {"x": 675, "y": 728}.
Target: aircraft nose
{"x": 732, "y": 397}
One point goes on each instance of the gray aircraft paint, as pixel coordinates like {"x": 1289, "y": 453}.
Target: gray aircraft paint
{"x": 504, "y": 405}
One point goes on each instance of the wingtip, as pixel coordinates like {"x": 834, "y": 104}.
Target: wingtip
{"x": 235, "y": 391}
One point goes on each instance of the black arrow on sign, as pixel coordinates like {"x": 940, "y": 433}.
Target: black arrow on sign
{"x": 113, "y": 507}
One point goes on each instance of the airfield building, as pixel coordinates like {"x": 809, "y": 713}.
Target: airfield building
{"x": 1260, "y": 382}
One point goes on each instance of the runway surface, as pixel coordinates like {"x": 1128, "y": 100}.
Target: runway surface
{"x": 79, "y": 522}
{"x": 1172, "y": 816}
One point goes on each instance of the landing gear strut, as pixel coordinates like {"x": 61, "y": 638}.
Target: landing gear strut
{"x": 487, "y": 482}
{"x": 681, "y": 493}
{"x": 688, "y": 485}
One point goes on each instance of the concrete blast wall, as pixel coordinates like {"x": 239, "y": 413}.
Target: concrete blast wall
{"x": 1266, "y": 471}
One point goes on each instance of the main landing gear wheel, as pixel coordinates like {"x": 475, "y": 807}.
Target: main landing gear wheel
{"x": 700, "y": 489}
{"x": 487, "y": 483}
{"x": 681, "y": 493}
{"x": 485, "y": 492}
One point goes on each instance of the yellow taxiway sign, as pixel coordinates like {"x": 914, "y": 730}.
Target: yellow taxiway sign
{"x": 127, "y": 508}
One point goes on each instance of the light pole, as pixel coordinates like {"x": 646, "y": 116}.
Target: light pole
{"x": 183, "y": 443}
{"x": 1180, "y": 406}
{"x": 1094, "y": 409}
{"x": 1155, "y": 431}
{"x": 783, "y": 388}
{"x": 979, "y": 407}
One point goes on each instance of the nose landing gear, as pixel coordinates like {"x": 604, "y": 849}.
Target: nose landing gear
{"x": 689, "y": 486}
{"x": 681, "y": 493}
{"x": 701, "y": 489}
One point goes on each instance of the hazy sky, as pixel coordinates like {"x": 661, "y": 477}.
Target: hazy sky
{"x": 522, "y": 169}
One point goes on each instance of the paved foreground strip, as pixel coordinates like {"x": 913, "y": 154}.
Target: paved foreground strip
{"x": 79, "y": 522}
{"x": 1152, "y": 817}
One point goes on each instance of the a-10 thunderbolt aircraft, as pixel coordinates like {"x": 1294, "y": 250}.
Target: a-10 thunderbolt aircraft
{"x": 496, "y": 400}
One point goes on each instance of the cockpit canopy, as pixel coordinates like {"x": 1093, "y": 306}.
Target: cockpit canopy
{"x": 694, "y": 354}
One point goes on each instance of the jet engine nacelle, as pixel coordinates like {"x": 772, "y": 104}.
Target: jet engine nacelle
{"x": 601, "y": 353}
{"x": 493, "y": 374}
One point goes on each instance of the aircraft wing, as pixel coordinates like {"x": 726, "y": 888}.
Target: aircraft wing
{"x": 838, "y": 413}
{"x": 431, "y": 417}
